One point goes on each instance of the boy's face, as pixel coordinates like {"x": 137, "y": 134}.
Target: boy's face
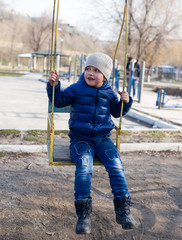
{"x": 93, "y": 77}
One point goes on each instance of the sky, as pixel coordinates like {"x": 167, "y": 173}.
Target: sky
{"x": 70, "y": 10}
{"x": 75, "y": 12}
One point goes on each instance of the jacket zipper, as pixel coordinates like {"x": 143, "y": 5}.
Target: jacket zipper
{"x": 96, "y": 100}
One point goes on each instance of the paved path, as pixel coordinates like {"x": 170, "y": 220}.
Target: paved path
{"x": 23, "y": 105}
{"x": 22, "y": 102}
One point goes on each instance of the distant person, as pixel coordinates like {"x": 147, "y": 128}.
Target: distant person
{"x": 133, "y": 73}
{"x": 93, "y": 101}
{"x": 136, "y": 75}
{"x": 128, "y": 72}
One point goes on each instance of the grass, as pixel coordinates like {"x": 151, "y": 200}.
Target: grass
{"x": 58, "y": 132}
{"x": 37, "y": 132}
{"x": 40, "y": 136}
{"x": 126, "y": 133}
{"x": 31, "y": 138}
{"x": 8, "y": 132}
{"x": 156, "y": 134}
{"x": 62, "y": 133}
{"x": 37, "y": 136}
{"x": 3, "y": 154}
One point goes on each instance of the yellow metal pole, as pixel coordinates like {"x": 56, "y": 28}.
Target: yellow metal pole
{"x": 115, "y": 53}
{"x": 116, "y": 50}
{"x": 53, "y": 89}
{"x": 51, "y": 130}
{"x": 52, "y": 36}
{"x": 56, "y": 34}
{"x": 118, "y": 129}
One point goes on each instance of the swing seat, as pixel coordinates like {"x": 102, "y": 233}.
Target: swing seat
{"x": 58, "y": 149}
{"x": 61, "y": 154}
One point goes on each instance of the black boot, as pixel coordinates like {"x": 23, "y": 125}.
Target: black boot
{"x": 122, "y": 210}
{"x": 83, "y": 211}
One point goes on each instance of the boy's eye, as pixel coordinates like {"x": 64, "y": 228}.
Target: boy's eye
{"x": 92, "y": 69}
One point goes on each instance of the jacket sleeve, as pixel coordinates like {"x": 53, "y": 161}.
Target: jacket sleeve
{"x": 116, "y": 107}
{"x": 61, "y": 98}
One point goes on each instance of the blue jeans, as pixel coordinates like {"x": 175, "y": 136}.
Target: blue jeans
{"x": 82, "y": 154}
{"x": 134, "y": 86}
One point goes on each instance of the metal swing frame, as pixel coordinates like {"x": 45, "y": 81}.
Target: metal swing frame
{"x": 59, "y": 151}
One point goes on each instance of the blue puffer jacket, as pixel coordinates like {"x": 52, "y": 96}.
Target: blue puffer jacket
{"x": 91, "y": 108}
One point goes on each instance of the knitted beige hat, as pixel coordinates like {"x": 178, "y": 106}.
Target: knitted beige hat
{"x": 101, "y": 61}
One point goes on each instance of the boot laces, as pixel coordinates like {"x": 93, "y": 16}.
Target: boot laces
{"x": 127, "y": 203}
{"x": 84, "y": 209}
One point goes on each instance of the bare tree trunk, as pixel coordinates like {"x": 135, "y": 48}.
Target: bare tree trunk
{"x": 129, "y": 22}
{"x": 39, "y": 32}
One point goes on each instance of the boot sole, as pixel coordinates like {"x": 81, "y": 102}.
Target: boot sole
{"x": 83, "y": 232}
{"x": 127, "y": 226}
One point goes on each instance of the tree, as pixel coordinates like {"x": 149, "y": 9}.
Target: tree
{"x": 150, "y": 24}
{"x": 38, "y": 32}
{"x": 151, "y": 29}
{"x": 11, "y": 33}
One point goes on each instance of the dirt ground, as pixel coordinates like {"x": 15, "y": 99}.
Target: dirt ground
{"x": 37, "y": 202}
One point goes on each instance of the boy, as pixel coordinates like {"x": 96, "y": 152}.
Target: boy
{"x": 92, "y": 103}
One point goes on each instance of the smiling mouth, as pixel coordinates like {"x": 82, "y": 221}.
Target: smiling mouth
{"x": 90, "y": 79}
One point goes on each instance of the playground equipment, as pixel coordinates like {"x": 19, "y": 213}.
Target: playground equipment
{"x": 59, "y": 152}
{"x": 160, "y": 98}
{"x": 137, "y": 86}
{"x": 78, "y": 68}
{"x": 160, "y": 102}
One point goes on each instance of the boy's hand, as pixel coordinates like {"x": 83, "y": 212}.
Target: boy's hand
{"x": 124, "y": 96}
{"x": 53, "y": 77}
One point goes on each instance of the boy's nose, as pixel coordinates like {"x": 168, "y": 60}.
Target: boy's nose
{"x": 91, "y": 72}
